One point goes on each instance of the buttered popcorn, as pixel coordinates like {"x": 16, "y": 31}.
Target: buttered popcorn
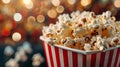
{"x": 84, "y": 31}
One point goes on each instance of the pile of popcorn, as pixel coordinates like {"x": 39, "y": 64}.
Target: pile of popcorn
{"x": 84, "y": 31}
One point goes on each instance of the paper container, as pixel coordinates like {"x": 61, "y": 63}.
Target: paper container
{"x": 58, "y": 56}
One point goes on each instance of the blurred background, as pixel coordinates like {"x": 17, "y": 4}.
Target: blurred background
{"x": 21, "y": 23}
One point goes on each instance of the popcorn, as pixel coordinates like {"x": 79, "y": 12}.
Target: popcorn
{"x": 114, "y": 41}
{"x": 100, "y": 42}
{"x": 81, "y": 40}
{"x": 69, "y": 42}
{"x": 84, "y": 31}
{"x": 47, "y": 30}
{"x": 63, "y": 18}
{"x": 87, "y": 47}
{"x": 106, "y": 14}
{"x": 75, "y": 16}
{"x": 77, "y": 32}
{"x": 48, "y": 40}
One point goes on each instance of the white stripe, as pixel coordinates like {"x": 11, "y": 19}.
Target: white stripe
{"x": 54, "y": 56}
{"x": 118, "y": 62}
{"x": 106, "y": 59}
{"x": 88, "y": 60}
{"x": 47, "y": 54}
{"x": 80, "y": 62}
{"x": 70, "y": 62}
{"x": 61, "y": 57}
{"x": 113, "y": 58}
{"x": 98, "y": 59}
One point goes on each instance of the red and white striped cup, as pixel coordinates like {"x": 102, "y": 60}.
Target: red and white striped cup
{"x": 59, "y": 57}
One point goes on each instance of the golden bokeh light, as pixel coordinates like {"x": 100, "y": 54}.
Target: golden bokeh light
{"x": 60, "y": 9}
{"x": 85, "y": 2}
{"x": 28, "y": 4}
{"x": 17, "y": 17}
{"x": 16, "y": 36}
{"x": 6, "y": 1}
{"x": 40, "y": 18}
{"x": 31, "y": 19}
{"x": 117, "y": 3}
{"x": 26, "y": 1}
{"x": 71, "y": 2}
{"x": 55, "y": 2}
{"x": 52, "y": 13}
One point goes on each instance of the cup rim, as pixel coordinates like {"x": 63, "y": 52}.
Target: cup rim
{"x": 85, "y": 52}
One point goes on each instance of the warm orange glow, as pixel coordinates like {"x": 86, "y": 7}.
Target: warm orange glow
{"x": 28, "y": 4}
{"x": 55, "y": 2}
{"x": 60, "y": 9}
{"x": 40, "y": 18}
{"x": 85, "y": 2}
{"x": 6, "y": 1}
{"x": 71, "y": 2}
{"x": 52, "y": 13}
{"x": 31, "y": 19}
{"x": 117, "y": 3}
{"x": 16, "y": 36}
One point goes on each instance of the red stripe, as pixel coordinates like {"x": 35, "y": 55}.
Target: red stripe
{"x": 110, "y": 58}
{"x": 116, "y": 59}
{"x": 45, "y": 53}
{"x": 84, "y": 60}
{"x": 102, "y": 59}
{"x": 50, "y": 53}
{"x": 119, "y": 64}
{"x": 93, "y": 60}
{"x": 75, "y": 59}
{"x": 65, "y": 55}
{"x": 57, "y": 56}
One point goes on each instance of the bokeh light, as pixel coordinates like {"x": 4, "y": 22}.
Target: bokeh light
{"x": 104, "y": 1}
{"x": 26, "y": 1}
{"x": 85, "y": 2}
{"x": 27, "y": 47}
{"x": 7, "y": 10}
{"x": 71, "y": 2}
{"x": 117, "y": 3}
{"x": 31, "y": 19}
{"x": 5, "y": 32}
{"x": 55, "y": 2}
{"x": 16, "y": 36}
{"x": 17, "y": 17}
{"x": 8, "y": 25}
{"x": 8, "y": 51}
{"x": 60, "y": 9}
{"x": 37, "y": 60}
{"x": 28, "y": 4}
{"x": 21, "y": 56}
{"x": 52, "y": 13}
{"x": 40, "y": 18}
{"x": 12, "y": 63}
{"x": 6, "y": 1}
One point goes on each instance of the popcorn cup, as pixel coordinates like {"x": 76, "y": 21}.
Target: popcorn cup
{"x": 60, "y": 56}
